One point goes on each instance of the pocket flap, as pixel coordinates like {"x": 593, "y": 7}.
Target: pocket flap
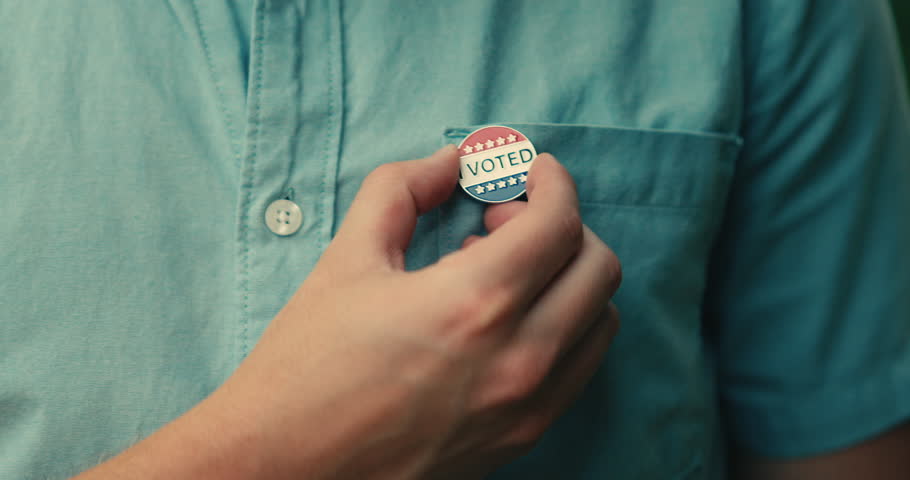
{"x": 625, "y": 166}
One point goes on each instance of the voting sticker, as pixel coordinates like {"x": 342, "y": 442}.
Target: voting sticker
{"x": 494, "y": 163}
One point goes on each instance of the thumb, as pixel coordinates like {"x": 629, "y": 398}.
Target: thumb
{"x": 379, "y": 225}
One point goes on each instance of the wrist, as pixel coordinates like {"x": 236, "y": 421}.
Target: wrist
{"x": 228, "y": 438}
{"x": 201, "y": 444}
{"x": 339, "y": 425}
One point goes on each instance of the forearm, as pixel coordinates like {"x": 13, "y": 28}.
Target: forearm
{"x": 243, "y": 431}
{"x": 202, "y": 444}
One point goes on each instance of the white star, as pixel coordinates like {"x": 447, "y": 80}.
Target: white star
{"x": 511, "y": 138}
{"x": 491, "y": 187}
{"x": 522, "y": 178}
{"x": 500, "y": 141}
{"x": 512, "y": 181}
{"x": 468, "y": 149}
{"x": 479, "y": 189}
{"x": 501, "y": 184}
{"x": 489, "y": 143}
{"x": 478, "y": 146}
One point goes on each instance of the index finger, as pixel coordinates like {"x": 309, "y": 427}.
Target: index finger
{"x": 525, "y": 253}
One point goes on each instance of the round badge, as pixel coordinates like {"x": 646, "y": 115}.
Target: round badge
{"x": 494, "y": 163}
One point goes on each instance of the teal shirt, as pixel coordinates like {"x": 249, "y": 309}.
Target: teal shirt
{"x": 748, "y": 161}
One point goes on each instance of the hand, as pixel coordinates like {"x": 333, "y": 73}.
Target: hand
{"x": 374, "y": 372}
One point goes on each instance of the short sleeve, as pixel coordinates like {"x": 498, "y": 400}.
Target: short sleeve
{"x": 808, "y": 304}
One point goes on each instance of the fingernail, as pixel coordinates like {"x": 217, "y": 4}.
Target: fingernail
{"x": 444, "y": 152}
{"x": 447, "y": 150}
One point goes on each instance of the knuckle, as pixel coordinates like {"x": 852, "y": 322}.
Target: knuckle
{"x": 613, "y": 312}
{"x": 609, "y": 264}
{"x": 477, "y": 313}
{"x": 384, "y": 173}
{"x": 605, "y": 259}
{"x": 519, "y": 377}
{"x": 571, "y": 227}
{"x": 614, "y": 321}
{"x": 613, "y": 270}
{"x": 527, "y": 434}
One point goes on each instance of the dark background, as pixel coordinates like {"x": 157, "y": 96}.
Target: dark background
{"x": 902, "y": 16}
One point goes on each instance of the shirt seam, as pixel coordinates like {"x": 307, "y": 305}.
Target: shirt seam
{"x": 328, "y": 194}
{"x": 456, "y": 132}
{"x": 219, "y": 92}
{"x": 254, "y": 125}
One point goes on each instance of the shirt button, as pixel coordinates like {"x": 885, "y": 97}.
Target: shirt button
{"x": 283, "y": 217}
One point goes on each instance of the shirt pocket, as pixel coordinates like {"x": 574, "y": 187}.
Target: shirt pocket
{"x": 616, "y": 168}
{"x": 656, "y": 197}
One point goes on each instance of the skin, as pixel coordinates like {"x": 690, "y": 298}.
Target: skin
{"x": 885, "y": 457}
{"x": 371, "y": 371}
